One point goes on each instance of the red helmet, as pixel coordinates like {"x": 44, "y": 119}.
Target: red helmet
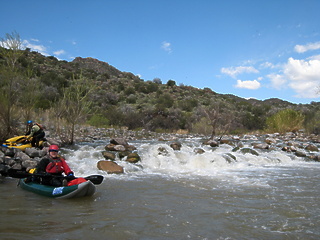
{"x": 54, "y": 148}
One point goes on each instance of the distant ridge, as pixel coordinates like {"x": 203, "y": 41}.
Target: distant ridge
{"x": 96, "y": 65}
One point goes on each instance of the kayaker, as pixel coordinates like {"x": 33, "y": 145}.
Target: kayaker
{"x": 36, "y": 132}
{"x": 54, "y": 165}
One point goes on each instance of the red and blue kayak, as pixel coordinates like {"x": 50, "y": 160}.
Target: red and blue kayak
{"x": 80, "y": 190}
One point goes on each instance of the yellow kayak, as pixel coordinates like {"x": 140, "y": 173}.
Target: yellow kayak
{"x": 19, "y": 142}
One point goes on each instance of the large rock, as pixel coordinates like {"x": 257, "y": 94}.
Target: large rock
{"x": 176, "y": 146}
{"x": 212, "y": 143}
{"x": 33, "y": 152}
{"x": 198, "y": 151}
{"x": 260, "y": 145}
{"x": 109, "y": 155}
{"x": 229, "y": 157}
{"x": 133, "y": 158}
{"x": 119, "y": 141}
{"x": 270, "y": 140}
{"x": 249, "y": 150}
{"x": 312, "y": 147}
{"x": 110, "y": 167}
{"x": 119, "y": 148}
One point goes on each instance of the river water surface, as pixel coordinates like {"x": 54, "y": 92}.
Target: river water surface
{"x": 176, "y": 195}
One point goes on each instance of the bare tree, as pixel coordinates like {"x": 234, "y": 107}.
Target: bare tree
{"x": 219, "y": 120}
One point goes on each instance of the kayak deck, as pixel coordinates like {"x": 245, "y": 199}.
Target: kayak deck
{"x": 81, "y": 190}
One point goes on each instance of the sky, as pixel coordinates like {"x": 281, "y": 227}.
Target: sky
{"x": 248, "y": 48}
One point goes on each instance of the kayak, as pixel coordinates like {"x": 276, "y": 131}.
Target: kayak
{"x": 19, "y": 142}
{"x": 81, "y": 190}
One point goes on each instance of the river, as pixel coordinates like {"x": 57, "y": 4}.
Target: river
{"x": 177, "y": 195}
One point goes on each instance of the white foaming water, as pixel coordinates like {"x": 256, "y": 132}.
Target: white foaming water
{"x": 161, "y": 159}
{"x": 83, "y": 161}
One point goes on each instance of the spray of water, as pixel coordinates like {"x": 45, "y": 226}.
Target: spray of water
{"x": 161, "y": 159}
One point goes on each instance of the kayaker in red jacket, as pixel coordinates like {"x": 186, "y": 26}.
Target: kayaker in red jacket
{"x": 54, "y": 165}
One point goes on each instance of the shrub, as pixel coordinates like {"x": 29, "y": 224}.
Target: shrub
{"x": 171, "y": 83}
{"x": 98, "y": 121}
{"x": 285, "y": 121}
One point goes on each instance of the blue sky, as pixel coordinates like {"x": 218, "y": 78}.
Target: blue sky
{"x": 248, "y": 48}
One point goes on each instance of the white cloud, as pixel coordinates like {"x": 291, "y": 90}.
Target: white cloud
{"x": 166, "y": 46}
{"x": 34, "y": 47}
{"x": 248, "y": 84}
{"x": 277, "y": 81}
{"x": 59, "y": 52}
{"x": 315, "y": 57}
{"x": 234, "y": 71}
{"x": 307, "y": 47}
{"x": 303, "y": 76}
{"x": 267, "y": 65}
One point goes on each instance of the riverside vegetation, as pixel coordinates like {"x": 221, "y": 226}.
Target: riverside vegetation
{"x": 64, "y": 95}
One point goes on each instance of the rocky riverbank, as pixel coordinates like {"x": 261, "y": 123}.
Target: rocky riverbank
{"x": 298, "y": 144}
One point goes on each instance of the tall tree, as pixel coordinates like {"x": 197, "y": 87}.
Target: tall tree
{"x": 10, "y": 78}
{"x": 75, "y": 105}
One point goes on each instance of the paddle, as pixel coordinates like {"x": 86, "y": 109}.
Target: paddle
{"x": 95, "y": 179}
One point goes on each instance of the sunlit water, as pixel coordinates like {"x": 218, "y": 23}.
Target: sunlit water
{"x": 177, "y": 195}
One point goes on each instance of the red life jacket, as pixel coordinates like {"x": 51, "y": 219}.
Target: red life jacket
{"x": 57, "y": 166}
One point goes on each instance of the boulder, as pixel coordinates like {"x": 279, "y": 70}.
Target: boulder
{"x": 312, "y": 147}
{"x": 133, "y": 158}
{"x": 119, "y": 141}
{"x": 11, "y": 152}
{"x": 163, "y": 151}
{"x": 110, "y": 167}
{"x": 225, "y": 141}
{"x": 33, "y": 152}
{"x": 198, "y": 151}
{"x": 315, "y": 158}
{"x": 23, "y": 156}
{"x": 119, "y": 148}
{"x": 229, "y": 157}
{"x": 249, "y": 150}
{"x": 270, "y": 140}
{"x": 213, "y": 143}
{"x": 29, "y": 164}
{"x": 300, "y": 154}
{"x": 123, "y": 154}
{"x": 3, "y": 169}
{"x": 260, "y": 145}
{"x": 110, "y": 147}
{"x": 109, "y": 155}
{"x": 176, "y": 146}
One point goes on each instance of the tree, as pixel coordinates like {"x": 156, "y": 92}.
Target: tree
{"x": 171, "y": 83}
{"x": 10, "y": 51}
{"x": 157, "y": 80}
{"x": 219, "y": 120}
{"x": 75, "y": 105}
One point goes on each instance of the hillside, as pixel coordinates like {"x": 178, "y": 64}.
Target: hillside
{"x": 123, "y": 99}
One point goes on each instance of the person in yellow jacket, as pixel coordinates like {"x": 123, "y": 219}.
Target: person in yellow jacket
{"x": 36, "y": 132}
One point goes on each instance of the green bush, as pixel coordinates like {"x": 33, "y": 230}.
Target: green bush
{"x": 287, "y": 120}
{"x": 98, "y": 121}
